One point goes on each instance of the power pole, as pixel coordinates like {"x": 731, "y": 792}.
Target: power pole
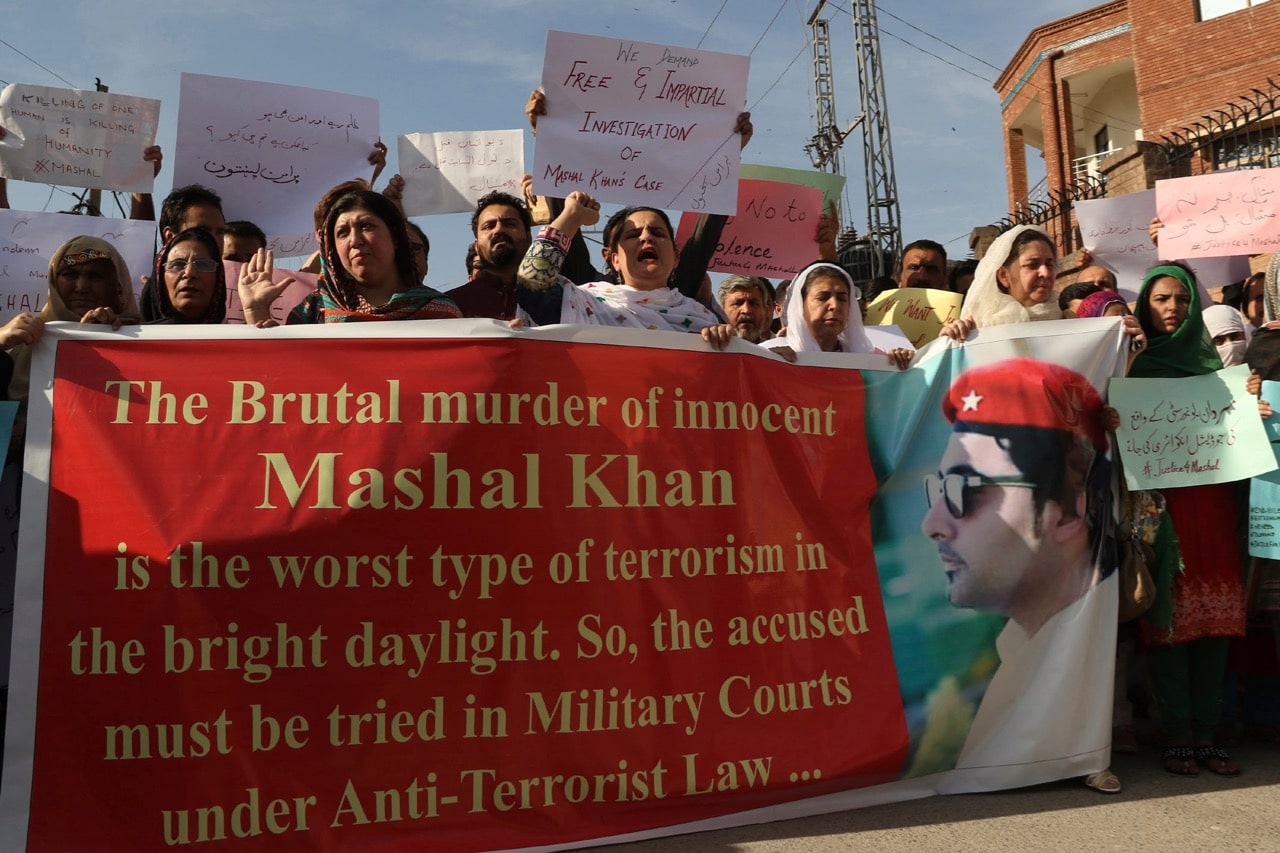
{"x": 877, "y": 149}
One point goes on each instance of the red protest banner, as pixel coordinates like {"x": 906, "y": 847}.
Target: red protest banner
{"x": 454, "y": 593}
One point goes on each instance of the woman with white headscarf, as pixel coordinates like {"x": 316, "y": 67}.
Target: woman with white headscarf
{"x": 1015, "y": 283}
{"x": 822, "y": 315}
{"x": 1226, "y": 329}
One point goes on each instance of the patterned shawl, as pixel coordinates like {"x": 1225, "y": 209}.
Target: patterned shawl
{"x": 338, "y": 300}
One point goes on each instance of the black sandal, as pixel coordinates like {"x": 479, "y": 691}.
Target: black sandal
{"x": 1185, "y": 756}
{"x": 1216, "y": 760}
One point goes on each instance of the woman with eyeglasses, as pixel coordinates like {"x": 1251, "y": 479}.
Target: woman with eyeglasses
{"x": 1199, "y": 592}
{"x": 188, "y": 284}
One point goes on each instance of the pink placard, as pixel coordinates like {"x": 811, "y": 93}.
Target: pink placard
{"x": 772, "y": 234}
{"x": 304, "y": 283}
{"x": 1222, "y": 213}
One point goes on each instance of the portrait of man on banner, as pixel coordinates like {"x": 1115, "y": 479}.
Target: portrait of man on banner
{"x": 1017, "y": 511}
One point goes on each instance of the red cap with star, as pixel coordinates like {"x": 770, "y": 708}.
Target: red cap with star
{"x": 1027, "y": 392}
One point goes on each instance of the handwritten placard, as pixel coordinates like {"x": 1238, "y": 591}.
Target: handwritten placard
{"x": 1190, "y": 431}
{"x": 449, "y": 172}
{"x": 639, "y": 123}
{"x": 1117, "y": 232}
{"x": 271, "y": 150}
{"x": 1264, "y": 490}
{"x": 29, "y": 239}
{"x": 304, "y": 284}
{"x": 1221, "y": 213}
{"x": 77, "y": 138}
{"x": 919, "y": 311}
{"x": 831, "y": 185}
{"x": 771, "y": 234}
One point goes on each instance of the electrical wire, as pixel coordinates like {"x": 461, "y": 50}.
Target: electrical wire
{"x": 37, "y": 64}
{"x": 884, "y": 11}
{"x": 1092, "y": 111}
{"x": 803, "y": 48}
{"x": 767, "y": 27}
{"x": 712, "y": 24}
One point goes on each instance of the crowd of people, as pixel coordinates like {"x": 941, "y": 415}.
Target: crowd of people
{"x": 372, "y": 264}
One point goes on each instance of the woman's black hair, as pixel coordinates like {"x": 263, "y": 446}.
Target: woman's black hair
{"x": 378, "y": 205}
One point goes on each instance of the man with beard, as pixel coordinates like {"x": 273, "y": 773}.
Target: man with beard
{"x": 748, "y": 306}
{"x": 501, "y": 225}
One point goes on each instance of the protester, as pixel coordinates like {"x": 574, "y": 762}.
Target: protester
{"x": 1013, "y": 283}
{"x": 188, "y": 284}
{"x": 368, "y": 273}
{"x": 640, "y": 249}
{"x": 1199, "y": 596}
{"x": 192, "y": 206}
{"x": 961, "y": 276}
{"x": 421, "y": 248}
{"x": 88, "y": 283}
{"x": 502, "y": 228}
{"x": 694, "y": 256}
{"x": 1071, "y": 296}
{"x": 819, "y": 316}
{"x": 1102, "y": 303}
{"x": 923, "y": 264}
{"x": 747, "y": 302}
{"x": 241, "y": 240}
{"x": 1226, "y": 329}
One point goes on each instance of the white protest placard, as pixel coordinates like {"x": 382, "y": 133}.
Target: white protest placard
{"x": 1117, "y": 232}
{"x": 450, "y": 172}
{"x": 639, "y": 123}
{"x": 77, "y": 138}
{"x": 271, "y": 151}
{"x": 29, "y": 239}
{"x": 1190, "y": 431}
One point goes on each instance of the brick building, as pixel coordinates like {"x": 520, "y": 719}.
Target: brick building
{"x": 1120, "y": 95}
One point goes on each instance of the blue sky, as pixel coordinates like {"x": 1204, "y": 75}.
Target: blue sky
{"x": 453, "y": 65}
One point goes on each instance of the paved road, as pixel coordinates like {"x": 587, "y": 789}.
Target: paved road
{"x": 1156, "y": 811}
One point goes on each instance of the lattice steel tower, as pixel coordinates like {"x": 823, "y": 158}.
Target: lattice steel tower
{"x": 884, "y": 216}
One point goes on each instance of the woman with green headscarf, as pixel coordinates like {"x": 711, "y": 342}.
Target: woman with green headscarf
{"x": 1199, "y": 593}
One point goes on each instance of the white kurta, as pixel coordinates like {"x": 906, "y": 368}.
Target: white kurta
{"x": 1047, "y": 713}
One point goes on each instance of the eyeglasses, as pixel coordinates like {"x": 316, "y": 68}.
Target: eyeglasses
{"x": 201, "y": 264}
{"x": 954, "y": 489}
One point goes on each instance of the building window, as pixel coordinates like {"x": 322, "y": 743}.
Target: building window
{"x": 1102, "y": 140}
{"x": 1257, "y": 150}
{"x": 1217, "y": 8}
